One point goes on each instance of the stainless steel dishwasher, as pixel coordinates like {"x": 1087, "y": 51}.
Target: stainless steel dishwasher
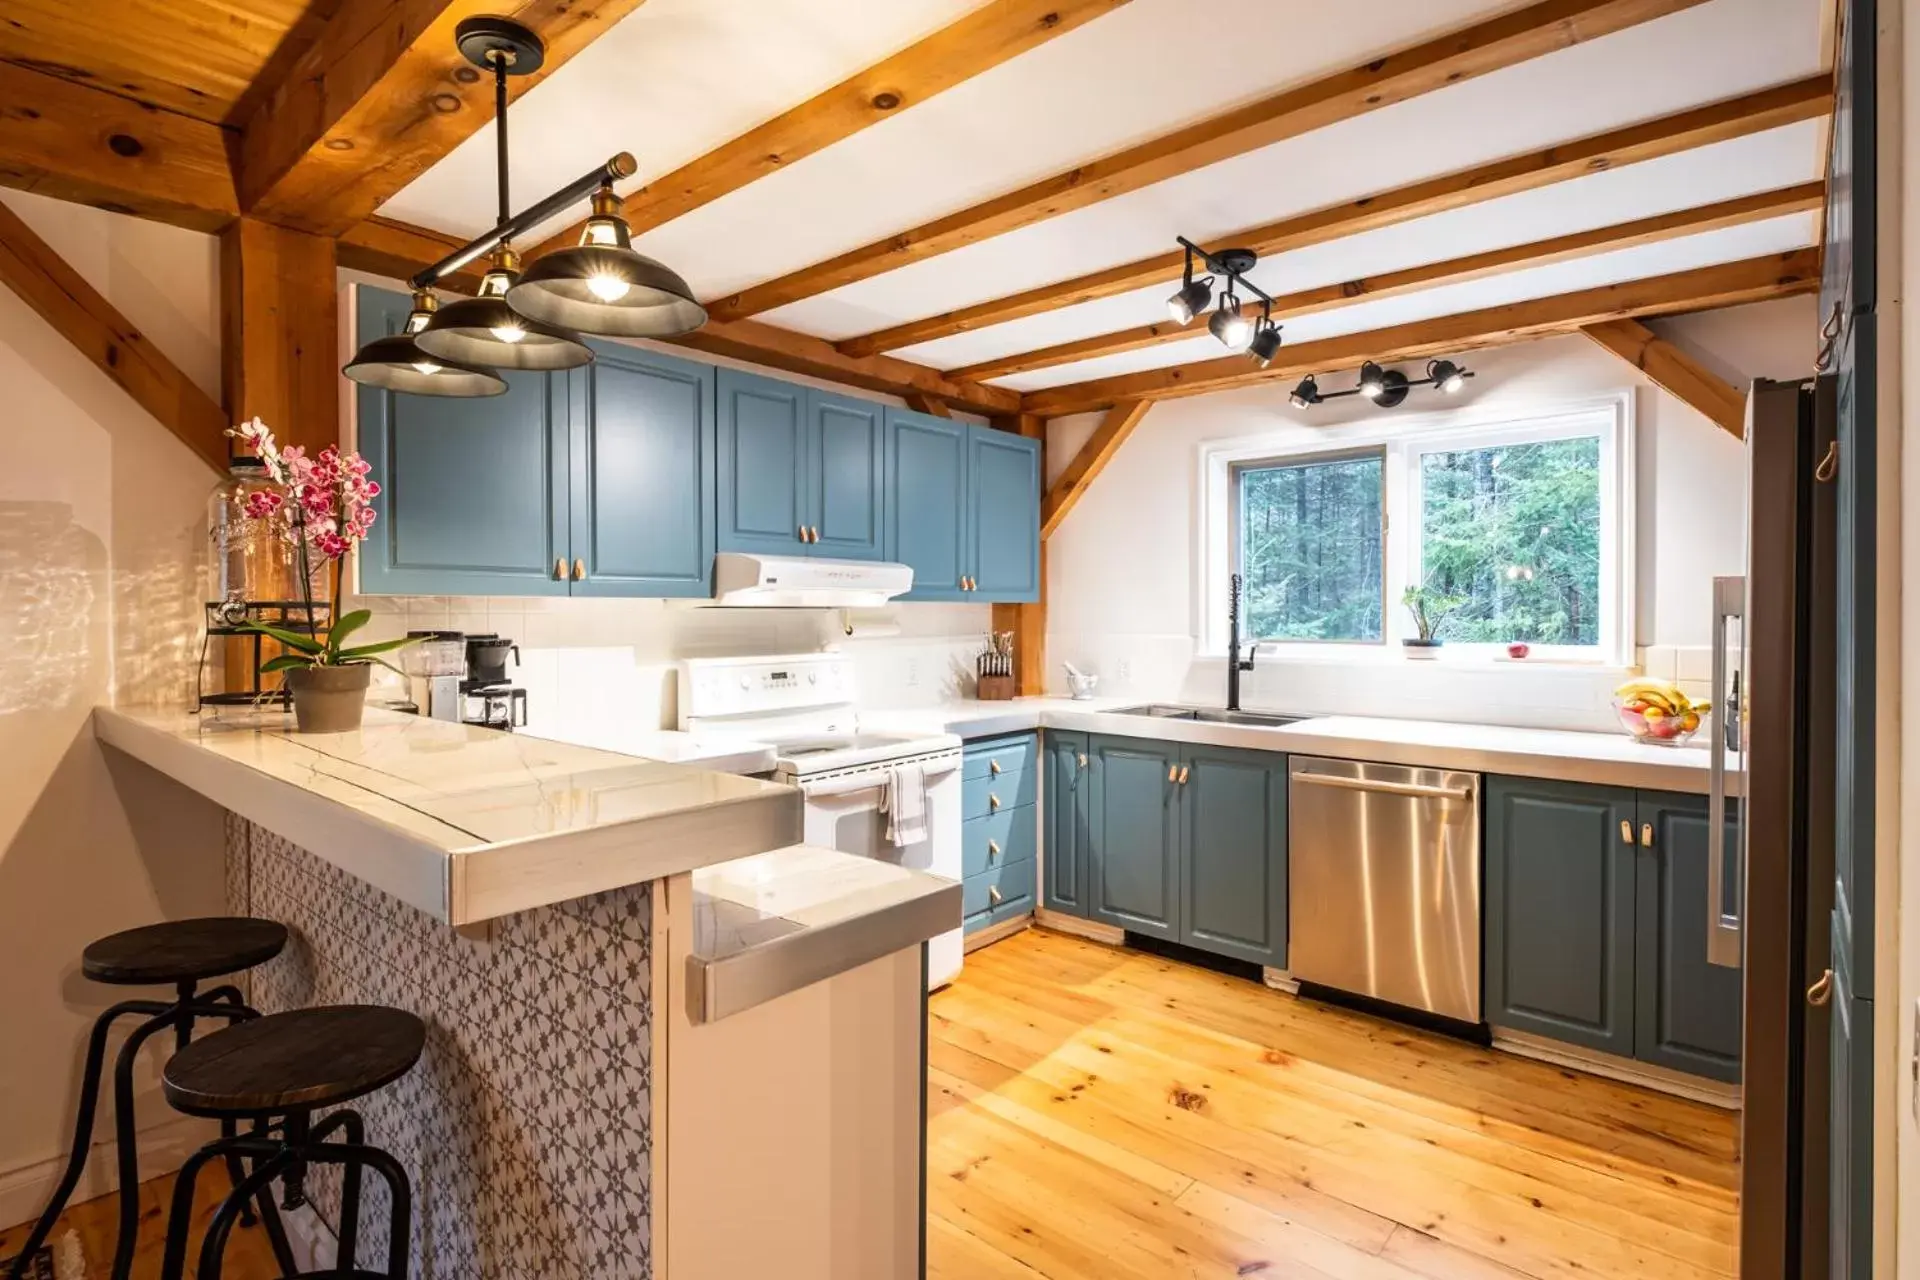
{"x": 1383, "y": 895}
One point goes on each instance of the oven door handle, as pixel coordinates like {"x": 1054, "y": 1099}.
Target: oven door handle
{"x": 876, "y": 779}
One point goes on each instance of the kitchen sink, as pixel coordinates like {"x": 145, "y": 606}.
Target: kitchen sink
{"x": 1207, "y": 715}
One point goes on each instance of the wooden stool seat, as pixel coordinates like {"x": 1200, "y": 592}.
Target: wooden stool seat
{"x": 182, "y": 950}
{"x": 294, "y": 1061}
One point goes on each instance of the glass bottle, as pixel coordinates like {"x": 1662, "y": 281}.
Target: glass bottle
{"x": 250, "y": 559}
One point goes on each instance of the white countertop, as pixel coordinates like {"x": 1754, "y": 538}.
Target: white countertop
{"x": 1609, "y": 759}
{"x": 464, "y": 823}
{"x": 671, "y": 746}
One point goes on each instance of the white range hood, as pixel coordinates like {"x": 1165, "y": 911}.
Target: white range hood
{"x": 744, "y": 581}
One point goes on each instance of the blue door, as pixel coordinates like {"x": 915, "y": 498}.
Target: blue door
{"x": 1134, "y": 854}
{"x": 1003, "y": 475}
{"x": 847, "y": 479}
{"x": 1559, "y": 914}
{"x": 762, "y": 465}
{"x": 473, "y": 492}
{"x": 1233, "y": 853}
{"x": 926, "y": 517}
{"x": 642, "y": 488}
{"x": 1687, "y": 1011}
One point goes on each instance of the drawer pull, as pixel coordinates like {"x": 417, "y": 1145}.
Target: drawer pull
{"x": 993, "y": 766}
{"x": 993, "y": 848}
{"x": 993, "y": 891}
{"x": 993, "y": 801}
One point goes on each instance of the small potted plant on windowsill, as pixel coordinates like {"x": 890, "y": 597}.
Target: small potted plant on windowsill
{"x": 1429, "y": 608}
{"x": 328, "y": 683}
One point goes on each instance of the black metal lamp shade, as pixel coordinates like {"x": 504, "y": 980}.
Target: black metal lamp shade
{"x": 397, "y": 363}
{"x": 602, "y": 285}
{"x": 487, "y": 331}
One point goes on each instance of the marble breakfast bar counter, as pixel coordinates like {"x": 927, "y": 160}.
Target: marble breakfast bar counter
{"x": 465, "y": 824}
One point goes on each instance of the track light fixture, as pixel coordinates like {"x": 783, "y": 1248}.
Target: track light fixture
{"x": 1385, "y": 387}
{"x": 529, "y": 321}
{"x": 1231, "y": 322}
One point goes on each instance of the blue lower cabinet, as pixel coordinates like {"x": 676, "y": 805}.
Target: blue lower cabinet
{"x": 1000, "y": 830}
{"x": 1065, "y": 799}
{"x": 763, "y": 435}
{"x": 1135, "y": 872}
{"x": 642, "y": 475}
{"x": 1233, "y": 862}
{"x": 473, "y": 491}
{"x": 1003, "y": 523}
{"x": 926, "y": 518}
{"x": 1596, "y": 924}
{"x": 1687, "y": 1012}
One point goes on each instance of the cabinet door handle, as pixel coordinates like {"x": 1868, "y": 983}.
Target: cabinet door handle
{"x": 802, "y": 534}
{"x": 1083, "y": 759}
{"x": 1626, "y": 832}
{"x": 814, "y": 529}
{"x": 993, "y": 891}
{"x": 1822, "y": 991}
{"x": 559, "y": 569}
{"x": 993, "y": 766}
{"x": 1646, "y": 835}
{"x": 1173, "y": 773}
{"x": 993, "y": 848}
{"x": 579, "y": 570}
{"x": 1184, "y": 772}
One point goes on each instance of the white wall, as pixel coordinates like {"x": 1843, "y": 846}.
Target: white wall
{"x": 1121, "y": 589}
{"x": 100, "y": 536}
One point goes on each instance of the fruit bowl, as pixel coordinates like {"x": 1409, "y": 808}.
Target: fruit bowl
{"x": 1658, "y": 713}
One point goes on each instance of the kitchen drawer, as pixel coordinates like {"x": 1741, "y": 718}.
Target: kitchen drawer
{"x": 1012, "y": 832}
{"x": 997, "y": 793}
{"x": 996, "y": 757}
{"x": 1014, "y": 882}
{"x": 977, "y": 921}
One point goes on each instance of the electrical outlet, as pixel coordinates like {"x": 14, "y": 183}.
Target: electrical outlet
{"x": 1123, "y": 671}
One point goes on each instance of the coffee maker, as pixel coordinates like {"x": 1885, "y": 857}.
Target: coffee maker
{"x": 462, "y": 678}
{"x": 487, "y": 699}
{"x": 435, "y": 668}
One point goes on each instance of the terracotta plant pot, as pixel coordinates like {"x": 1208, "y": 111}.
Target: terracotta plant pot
{"x": 329, "y": 699}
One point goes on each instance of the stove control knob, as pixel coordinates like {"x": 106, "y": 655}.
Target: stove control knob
{"x": 745, "y": 683}
{"x": 812, "y": 678}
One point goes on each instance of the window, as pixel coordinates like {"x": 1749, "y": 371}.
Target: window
{"x": 1311, "y": 543}
{"x": 1522, "y": 526}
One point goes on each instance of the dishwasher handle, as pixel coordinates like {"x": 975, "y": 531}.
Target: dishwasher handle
{"x": 1413, "y": 789}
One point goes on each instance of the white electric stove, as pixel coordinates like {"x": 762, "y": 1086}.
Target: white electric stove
{"x": 803, "y": 706}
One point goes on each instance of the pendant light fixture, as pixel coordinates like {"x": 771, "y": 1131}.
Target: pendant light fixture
{"x": 603, "y": 286}
{"x": 397, "y": 363}
{"x": 1230, "y": 323}
{"x": 487, "y": 330}
{"x": 600, "y": 286}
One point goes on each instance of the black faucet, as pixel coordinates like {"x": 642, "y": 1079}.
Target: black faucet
{"x": 1235, "y": 665}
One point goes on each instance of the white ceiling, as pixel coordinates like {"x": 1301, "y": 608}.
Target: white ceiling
{"x": 679, "y": 77}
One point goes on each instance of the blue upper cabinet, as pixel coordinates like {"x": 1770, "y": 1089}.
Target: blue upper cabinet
{"x": 763, "y": 435}
{"x": 847, "y": 477}
{"x": 926, "y": 518}
{"x": 642, "y": 474}
{"x": 474, "y": 492}
{"x": 1003, "y": 475}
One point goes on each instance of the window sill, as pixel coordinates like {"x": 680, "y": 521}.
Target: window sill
{"x": 1393, "y": 654}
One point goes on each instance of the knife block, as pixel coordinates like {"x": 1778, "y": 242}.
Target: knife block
{"x": 995, "y": 688}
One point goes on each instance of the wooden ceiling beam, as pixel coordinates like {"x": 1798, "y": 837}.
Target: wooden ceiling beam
{"x": 71, "y": 142}
{"x": 920, "y": 402}
{"x": 1486, "y": 46}
{"x": 1675, "y": 372}
{"x": 983, "y": 39}
{"x": 1805, "y": 197}
{"x": 1087, "y": 464}
{"x": 1669, "y": 135}
{"x": 384, "y": 247}
{"x": 379, "y": 98}
{"x": 77, "y": 312}
{"x": 1704, "y": 288}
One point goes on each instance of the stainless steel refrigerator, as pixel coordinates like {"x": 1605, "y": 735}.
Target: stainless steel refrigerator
{"x": 1770, "y": 879}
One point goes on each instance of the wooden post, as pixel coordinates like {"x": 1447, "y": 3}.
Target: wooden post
{"x": 1028, "y": 622}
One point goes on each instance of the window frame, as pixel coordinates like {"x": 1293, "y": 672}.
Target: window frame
{"x": 1403, "y": 440}
{"x": 1307, "y": 458}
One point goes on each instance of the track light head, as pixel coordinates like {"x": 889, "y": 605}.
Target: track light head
{"x": 1373, "y": 381}
{"x": 1192, "y": 299}
{"x": 1306, "y": 394}
{"x": 1232, "y": 328}
{"x": 1265, "y": 344}
{"x": 1449, "y": 377}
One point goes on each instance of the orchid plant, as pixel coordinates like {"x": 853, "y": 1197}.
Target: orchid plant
{"x": 328, "y": 500}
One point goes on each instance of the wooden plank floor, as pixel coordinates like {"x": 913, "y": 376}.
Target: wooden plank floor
{"x": 248, "y": 1255}
{"x": 1107, "y": 1114}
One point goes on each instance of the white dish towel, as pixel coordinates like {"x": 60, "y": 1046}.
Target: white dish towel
{"x": 907, "y": 805}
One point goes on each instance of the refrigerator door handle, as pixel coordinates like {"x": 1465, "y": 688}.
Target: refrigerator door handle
{"x": 1723, "y": 929}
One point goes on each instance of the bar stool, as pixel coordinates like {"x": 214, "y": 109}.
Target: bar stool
{"x": 276, "y": 1071}
{"x": 181, "y": 952}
